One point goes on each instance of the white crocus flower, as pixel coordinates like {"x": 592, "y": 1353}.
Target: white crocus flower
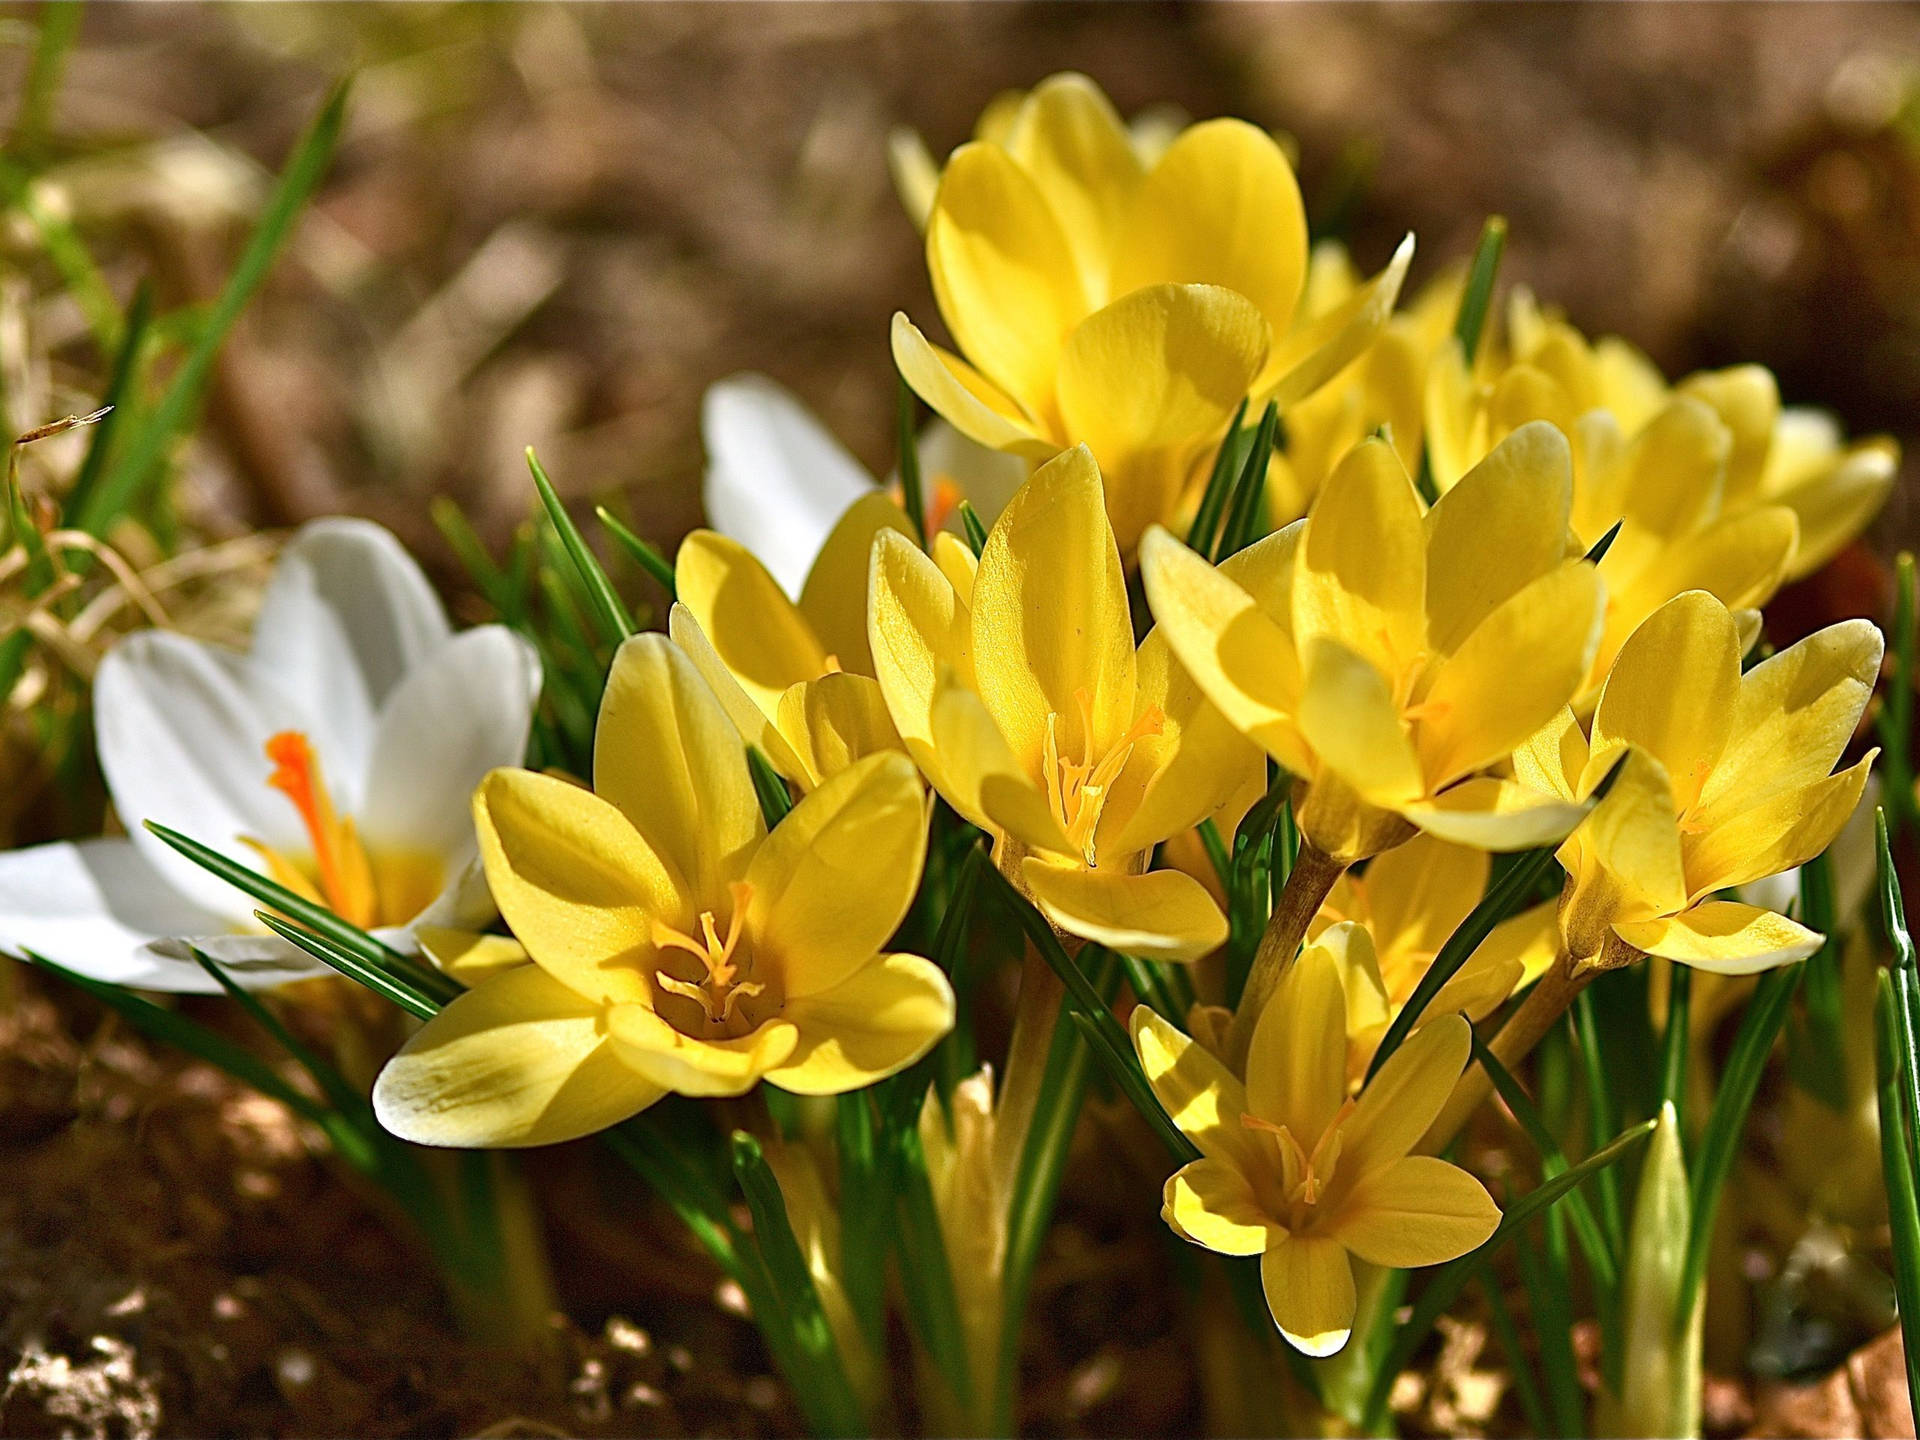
{"x": 778, "y": 481}
{"x": 338, "y": 755}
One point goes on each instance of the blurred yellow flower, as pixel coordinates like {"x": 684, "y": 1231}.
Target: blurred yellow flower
{"x": 796, "y": 679}
{"x": 1391, "y": 656}
{"x": 1728, "y": 779}
{"x": 1103, "y": 298}
{"x": 1298, "y": 1173}
{"x": 1019, "y": 692}
{"x": 677, "y": 945}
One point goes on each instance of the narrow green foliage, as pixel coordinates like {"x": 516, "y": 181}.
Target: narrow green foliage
{"x": 1895, "y": 720}
{"x": 1817, "y": 1042}
{"x": 1504, "y": 899}
{"x": 1898, "y": 1163}
{"x": 332, "y": 1084}
{"x": 1673, "y": 1048}
{"x": 926, "y": 1275}
{"x": 642, "y": 554}
{"x": 768, "y": 786}
{"x": 1604, "y": 543}
{"x": 1524, "y": 1384}
{"x": 1602, "y": 1115}
{"x": 1656, "y": 1390}
{"x": 69, "y": 254}
{"x": 974, "y": 528}
{"x": 1205, "y": 529}
{"x": 1451, "y": 1278}
{"x": 616, "y": 623}
{"x": 866, "y": 1207}
{"x": 1246, "y": 513}
{"x": 912, "y": 493}
{"x": 59, "y": 28}
{"x": 380, "y": 981}
{"x": 1547, "y": 1276}
{"x": 127, "y": 482}
{"x": 126, "y": 365}
{"x": 1477, "y": 299}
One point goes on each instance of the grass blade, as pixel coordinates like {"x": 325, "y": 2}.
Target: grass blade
{"x": 974, "y": 527}
{"x": 1247, "y": 510}
{"x": 1204, "y": 530}
{"x": 912, "y": 493}
{"x": 381, "y": 982}
{"x": 1897, "y": 1161}
{"x": 615, "y": 621}
{"x": 1477, "y": 299}
{"x": 768, "y": 786}
{"x": 1895, "y": 721}
{"x": 643, "y": 554}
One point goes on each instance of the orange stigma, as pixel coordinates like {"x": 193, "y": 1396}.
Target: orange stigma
{"x": 346, "y": 878}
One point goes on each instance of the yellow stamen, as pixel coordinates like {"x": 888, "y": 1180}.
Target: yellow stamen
{"x": 723, "y": 989}
{"x": 346, "y": 877}
{"x": 1078, "y": 789}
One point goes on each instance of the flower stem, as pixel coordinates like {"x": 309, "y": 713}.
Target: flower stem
{"x": 1036, "y": 1016}
{"x": 1308, "y": 885}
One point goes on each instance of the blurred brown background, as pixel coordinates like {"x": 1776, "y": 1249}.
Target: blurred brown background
{"x": 556, "y": 225}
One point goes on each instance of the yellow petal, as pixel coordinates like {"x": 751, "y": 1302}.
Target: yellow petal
{"x": 1360, "y": 574}
{"x": 1314, "y": 353}
{"x": 759, "y": 634}
{"x": 1068, "y": 138}
{"x": 916, "y": 626}
{"x": 1297, "y": 1063}
{"x": 470, "y": 957}
{"x": 1747, "y": 400}
{"x": 1669, "y": 478}
{"x": 1203, "y": 1098}
{"x": 1309, "y": 1285}
{"x": 1222, "y": 208}
{"x": 1163, "y": 914}
{"x": 1051, "y": 630}
{"x": 1672, "y": 692}
{"x": 1723, "y": 937}
{"x": 1455, "y": 424}
{"x": 1835, "y": 505}
{"x": 1401, "y": 1101}
{"x": 1212, "y": 1204}
{"x": 575, "y": 881}
{"x": 833, "y": 721}
{"x": 1554, "y": 757}
{"x": 1512, "y": 674}
{"x": 665, "y": 753}
{"x": 518, "y": 1060}
{"x": 1624, "y": 860}
{"x": 1782, "y": 831}
{"x": 1503, "y": 526}
{"x": 1419, "y": 892}
{"x": 963, "y": 397}
{"x": 981, "y": 778}
{"x": 1530, "y": 940}
{"x": 959, "y": 564}
{"x": 1003, "y": 273}
{"x": 1418, "y": 1211}
{"x": 1348, "y": 715}
{"x": 834, "y": 878}
{"x": 834, "y": 599}
{"x": 1497, "y": 815}
{"x": 916, "y": 175}
{"x": 1796, "y": 712}
{"x": 1739, "y": 560}
{"x": 686, "y": 1066}
{"x": 877, "y": 1021}
{"x": 756, "y": 726}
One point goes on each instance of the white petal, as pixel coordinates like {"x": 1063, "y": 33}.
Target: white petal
{"x": 776, "y": 479}
{"x": 986, "y": 477}
{"x": 347, "y": 615}
{"x": 462, "y": 713}
{"x": 254, "y": 962}
{"x": 182, "y": 736}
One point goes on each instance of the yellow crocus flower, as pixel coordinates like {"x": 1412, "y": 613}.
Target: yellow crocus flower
{"x": 1018, "y": 690}
{"x": 1100, "y": 298}
{"x": 1390, "y": 656}
{"x": 1728, "y": 779}
{"x": 797, "y": 679}
{"x": 677, "y": 944}
{"x": 1298, "y": 1173}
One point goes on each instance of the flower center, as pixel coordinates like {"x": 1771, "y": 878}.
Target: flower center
{"x": 721, "y": 989}
{"x": 1078, "y": 789}
{"x": 1304, "y": 1175}
{"x": 343, "y": 873}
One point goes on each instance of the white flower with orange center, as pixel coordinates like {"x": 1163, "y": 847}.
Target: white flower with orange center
{"x": 337, "y": 756}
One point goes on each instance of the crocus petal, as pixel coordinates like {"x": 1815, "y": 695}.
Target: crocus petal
{"x": 1417, "y": 1211}
{"x": 877, "y": 1021}
{"x": 95, "y": 906}
{"x": 834, "y": 599}
{"x": 1682, "y": 725}
{"x": 833, "y": 721}
{"x": 1163, "y": 914}
{"x": 756, "y": 726}
{"x": 834, "y": 879}
{"x": 1348, "y": 715}
{"x": 1003, "y": 273}
{"x": 1514, "y": 672}
{"x": 687, "y": 1066}
{"x": 1836, "y": 505}
{"x": 520, "y": 1060}
{"x": 1498, "y": 815}
{"x": 1202, "y": 1096}
{"x": 759, "y": 633}
{"x": 1500, "y": 528}
{"x": 576, "y": 881}
{"x": 1401, "y": 1101}
{"x": 460, "y": 713}
{"x": 981, "y": 778}
{"x": 1360, "y": 574}
{"x": 1724, "y": 937}
{"x": 1211, "y": 1203}
{"x": 917, "y": 626}
{"x": 1309, "y": 1285}
{"x": 963, "y": 397}
{"x": 1068, "y": 138}
{"x": 1554, "y": 757}
{"x": 347, "y": 614}
{"x": 1419, "y": 892}
{"x": 470, "y": 957}
{"x": 1314, "y": 353}
{"x": 777, "y": 480}
{"x": 1669, "y": 479}
{"x": 1222, "y": 208}
{"x": 1297, "y": 1063}
{"x": 1623, "y": 863}
{"x": 1050, "y": 618}
{"x": 1782, "y": 831}
{"x": 666, "y": 755}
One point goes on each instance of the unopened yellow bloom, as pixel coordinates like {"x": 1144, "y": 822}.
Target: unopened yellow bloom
{"x": 1389, "y": 655}
{"x": 796, "y": 679}
{"x": 1020, "y": 694}
{"x": 677, "y": 945}
{"x": 1727, "y": 780}
{"x": 1298, "y": 1173}
{"x": 1387, "y": 923}
{"x": 1100, "y": 299}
